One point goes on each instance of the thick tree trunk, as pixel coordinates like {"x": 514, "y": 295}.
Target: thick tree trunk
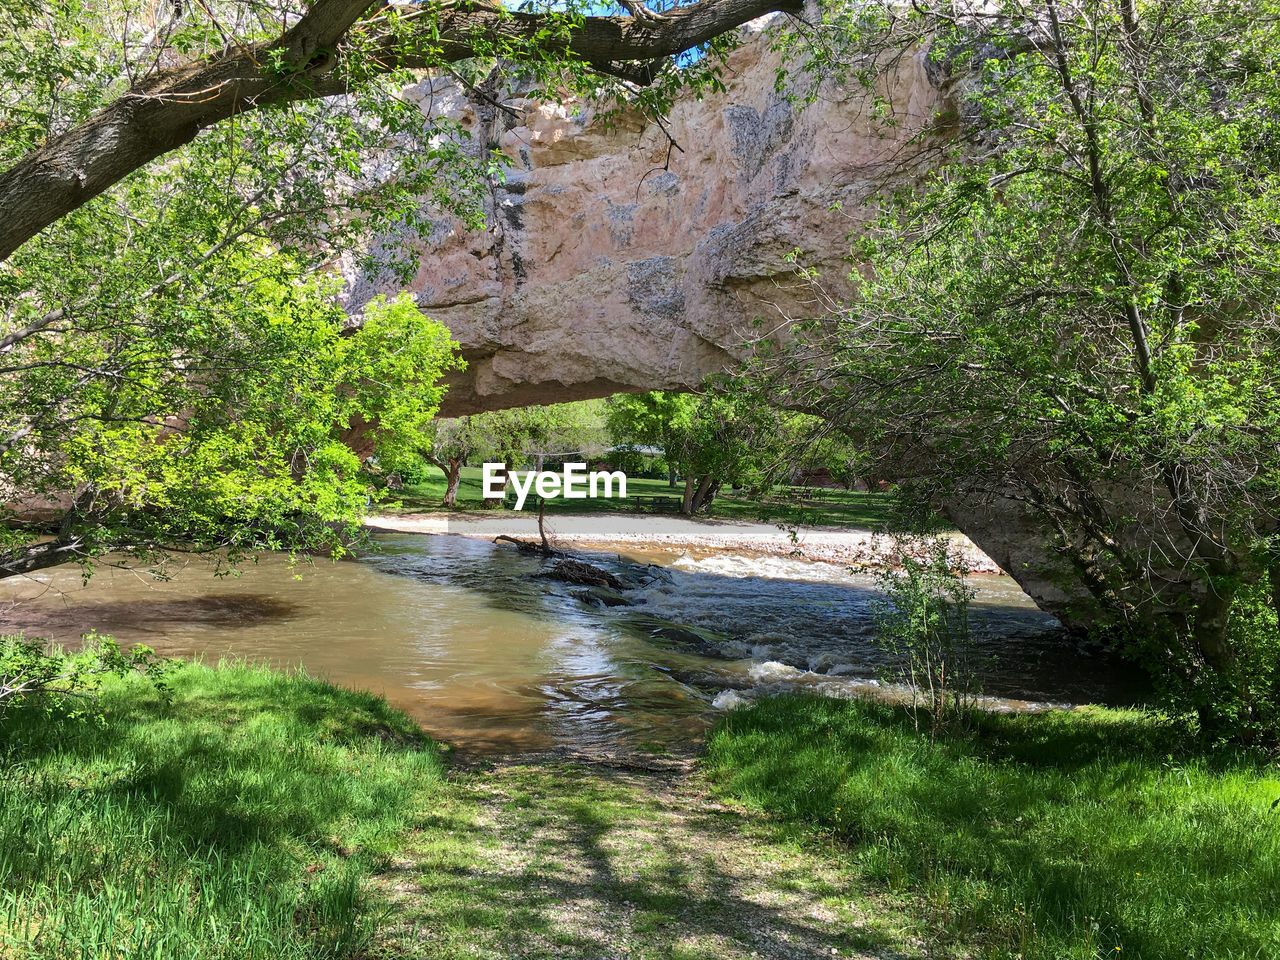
{"x": 170, "y": 107}
{"x": 705, "y": 493}
{"x": 1209, "y": 631}
{"x": 452, "y": 470}
{"x": 453, "y": 476}
{"x": 686, "y": 502}
{"x": 671, "y": 476}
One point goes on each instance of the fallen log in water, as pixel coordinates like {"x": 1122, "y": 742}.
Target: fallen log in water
{"x": 528, "y": 546}
{"x": 566, "y": 568}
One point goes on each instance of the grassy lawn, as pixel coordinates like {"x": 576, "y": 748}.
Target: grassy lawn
{"x": 242, "y": 819}
{"x": 270, "y": 816}
{"x": 808, "y": 506}
{"x": 1063, "y": 835}
{"x": 254, "y": 814}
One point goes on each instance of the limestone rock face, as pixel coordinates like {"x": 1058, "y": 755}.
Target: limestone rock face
{"x": 617, "y": 260}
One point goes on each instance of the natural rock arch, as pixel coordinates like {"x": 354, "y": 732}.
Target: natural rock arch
{"x": 617, "y": 261}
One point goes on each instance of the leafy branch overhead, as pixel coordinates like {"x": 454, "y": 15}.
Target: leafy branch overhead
{"x": 328, "y": 48}
{"x": 1070, "y": 322}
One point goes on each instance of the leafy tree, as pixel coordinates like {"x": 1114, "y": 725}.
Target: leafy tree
{"x": 1075, "y": 318}
{"x": 657, "y": 419}
{"x": 453, "y": 443}
{"x": 176, "y": 376}
{"x": 710, "y": 438}
{"x": 924, "y": 628}
{"x": 217, "y": 426}
{"x": 519, "y": 437}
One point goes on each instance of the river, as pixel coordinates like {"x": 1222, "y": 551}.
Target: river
{"x": 459, "y": 633}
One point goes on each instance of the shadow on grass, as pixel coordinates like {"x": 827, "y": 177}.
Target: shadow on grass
{"x": 1062, "y": 835}
{"x": 238, "y": 819}
{"x": 584, "y": 864}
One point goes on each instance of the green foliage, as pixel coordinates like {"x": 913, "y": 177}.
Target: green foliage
{"x": 924, "y": 626}
{"x": 660, "y": 418}
{"x": 218, "y": 425}
{"x": 708, "y": 439}
{"x": 240, "y": 817}
{"x": 728, "y": 435}
{"x": 181, "y": 375}
{"x": 1076, "y": 315}
{"x": 1248, "y": 697}
{"x": 63, "y": 683}
{"x": 1060, "y": 836}
{"x": 632, "y": 460}
{"x": 520, "y": 436}
{"x": 517, "y": 436}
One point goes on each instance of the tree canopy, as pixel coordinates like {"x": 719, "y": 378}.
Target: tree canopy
{"x": 519, "y": 437}
{"x": 723, "y": 436}
{"x": 1077, "y": 315}
{"x": 176, "y": 185}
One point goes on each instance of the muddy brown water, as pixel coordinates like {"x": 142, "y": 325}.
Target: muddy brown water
{"x": 462, "y": 635}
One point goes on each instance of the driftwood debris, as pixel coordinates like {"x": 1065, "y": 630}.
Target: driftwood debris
{"x": 529, "y": 546}
{"x": 583, "y": 574}
{"x": 566, "y": 568}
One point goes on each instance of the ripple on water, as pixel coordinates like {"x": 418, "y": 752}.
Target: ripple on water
{"x": 458, "y": 632}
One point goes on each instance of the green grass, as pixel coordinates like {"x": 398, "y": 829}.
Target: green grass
{"x": 1063, "y": 835}
{"x": 241, "y": 819}
{"x": 809, "y": 506}
{"x": 256, "y": 814}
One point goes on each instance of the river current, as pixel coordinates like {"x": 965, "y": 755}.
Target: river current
{"x": 462, "y": 634}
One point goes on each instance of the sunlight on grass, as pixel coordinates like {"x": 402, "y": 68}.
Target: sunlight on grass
{"x": 1063, "y": 835}
{"x": 240, "y": 820}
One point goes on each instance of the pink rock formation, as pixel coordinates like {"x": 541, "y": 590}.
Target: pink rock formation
{"x": 616, "y": 261}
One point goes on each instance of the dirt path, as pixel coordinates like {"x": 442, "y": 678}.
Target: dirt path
{"x": 580, "y": 859}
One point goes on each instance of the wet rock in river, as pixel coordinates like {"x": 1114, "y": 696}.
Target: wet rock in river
{"x": 638, "y": 575}
{"x": 603, "y": 597}
{"x": 697, "y": 641}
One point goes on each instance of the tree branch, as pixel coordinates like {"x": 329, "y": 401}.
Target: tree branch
{"x": 172, "y": 106}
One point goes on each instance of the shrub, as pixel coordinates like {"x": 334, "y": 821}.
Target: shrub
{"x": 923, "y": 626}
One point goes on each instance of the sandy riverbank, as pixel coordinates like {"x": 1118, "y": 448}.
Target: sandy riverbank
{"x": 841, "y": 545}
